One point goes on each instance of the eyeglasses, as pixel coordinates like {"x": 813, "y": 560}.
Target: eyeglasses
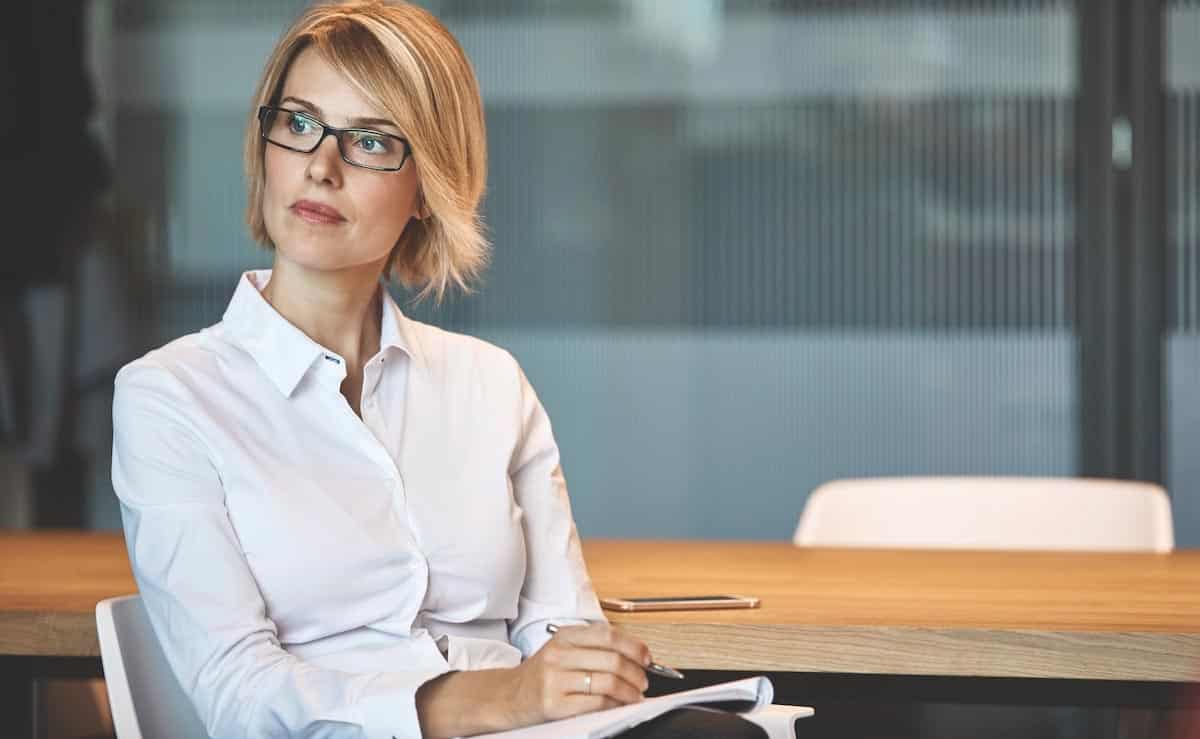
{"x": 295, "y": 130}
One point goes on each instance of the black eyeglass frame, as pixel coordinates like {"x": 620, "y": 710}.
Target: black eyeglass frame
{"x": 327, "y": 130}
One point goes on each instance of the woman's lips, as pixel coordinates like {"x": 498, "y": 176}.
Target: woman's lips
{"x": 318, "y": 213}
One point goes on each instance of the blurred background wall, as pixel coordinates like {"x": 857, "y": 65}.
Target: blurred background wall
{"x": 742, "y": 247}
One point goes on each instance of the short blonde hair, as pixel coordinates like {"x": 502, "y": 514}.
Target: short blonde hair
{"x": 406, "y": 63}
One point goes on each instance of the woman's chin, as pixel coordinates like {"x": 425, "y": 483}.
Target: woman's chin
{"x": 324, "y": 260}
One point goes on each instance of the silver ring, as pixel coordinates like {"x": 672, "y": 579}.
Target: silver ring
{"x": 587, "y": 683}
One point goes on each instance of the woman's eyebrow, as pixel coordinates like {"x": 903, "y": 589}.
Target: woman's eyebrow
{"x": 316, "y": 109}
{"x": 304, "y": 104}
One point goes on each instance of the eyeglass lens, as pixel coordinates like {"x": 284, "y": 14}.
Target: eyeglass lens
{"x": 302, "y": 132}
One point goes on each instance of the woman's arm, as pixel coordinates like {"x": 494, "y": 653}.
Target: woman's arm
{"x": 203, "y": 600}
{"x": 586, "y": 666}
{"x": 557, "y": 588}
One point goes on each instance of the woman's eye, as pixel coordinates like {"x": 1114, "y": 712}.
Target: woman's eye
{"x": 373, "y": 144}
{"x": 299, "y": 124}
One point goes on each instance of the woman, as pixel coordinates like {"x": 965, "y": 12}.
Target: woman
{"x": 343, "y": 522}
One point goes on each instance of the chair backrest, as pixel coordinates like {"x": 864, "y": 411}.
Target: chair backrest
{"x": 146, "y": 699}
{"x": 988, "y": 513}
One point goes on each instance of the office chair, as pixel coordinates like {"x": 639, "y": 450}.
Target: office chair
{"x": 1015, "y": 513}
{"x": 988, "y": 513}
{"x": 146, "y": 699}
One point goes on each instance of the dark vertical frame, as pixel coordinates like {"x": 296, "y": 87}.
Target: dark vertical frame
{"x": 1096, "y": 289}
{"x": 1145, "y": 243}
{"x": 1121, "y": 241}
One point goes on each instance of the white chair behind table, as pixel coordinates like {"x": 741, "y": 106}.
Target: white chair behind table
{"x": 988, "y": 513}
{"x": 146, "y": 699}
{"x": 1011, "y": 513}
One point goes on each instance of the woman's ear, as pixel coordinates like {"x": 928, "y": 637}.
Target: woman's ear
{"x": 423, "y": 211}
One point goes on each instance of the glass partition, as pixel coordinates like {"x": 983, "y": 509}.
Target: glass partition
{"x": 741, "y": 248}
{"x": 1182, "y": 391}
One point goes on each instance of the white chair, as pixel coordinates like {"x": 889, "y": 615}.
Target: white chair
{"x": 1027, "y": 513}
{"x": 778, "y": 720}
{"x": 146, "y": 699}
{"x": 988, "y": 513}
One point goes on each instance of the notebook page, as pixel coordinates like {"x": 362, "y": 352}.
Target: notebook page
{"x": 614, "y": 720}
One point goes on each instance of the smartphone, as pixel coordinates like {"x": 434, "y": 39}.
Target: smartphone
{"x": 680, "y": 603}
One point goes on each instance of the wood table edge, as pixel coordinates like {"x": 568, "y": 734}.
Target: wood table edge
{"x": 54, "y": 634}
{"x": 906, "y": 650}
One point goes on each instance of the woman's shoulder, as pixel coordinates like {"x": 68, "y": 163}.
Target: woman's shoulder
{"x": 439, "y": 346}
{"x": 187, "y": 360}
{"x": 457, "y": 360}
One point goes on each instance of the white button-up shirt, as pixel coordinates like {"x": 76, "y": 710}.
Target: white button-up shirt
{"x": 305, "y": 570}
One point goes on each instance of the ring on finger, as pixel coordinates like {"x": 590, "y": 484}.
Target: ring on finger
{"x": 587, "y": 683}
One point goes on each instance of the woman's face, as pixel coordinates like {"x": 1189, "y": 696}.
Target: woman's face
{"x": 321, "y": 212}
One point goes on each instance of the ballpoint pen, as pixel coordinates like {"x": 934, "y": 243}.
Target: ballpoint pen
{"x": 653, "y": 667}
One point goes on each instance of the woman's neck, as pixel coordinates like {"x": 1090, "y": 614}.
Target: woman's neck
{"x": 339, "y": 310}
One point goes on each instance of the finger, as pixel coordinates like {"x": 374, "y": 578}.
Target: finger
{"x": 598, "y": 661}
{"x": 604, "y": 684}
{"x": 604, "y": 636}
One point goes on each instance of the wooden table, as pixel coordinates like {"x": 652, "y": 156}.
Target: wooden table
{"x": 1132, "y": 617}
{"x": 1040, "y": 618}
{"x": 49, "y": 586}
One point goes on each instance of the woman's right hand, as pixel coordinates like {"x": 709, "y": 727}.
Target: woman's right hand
{"x": 581, "y": 669}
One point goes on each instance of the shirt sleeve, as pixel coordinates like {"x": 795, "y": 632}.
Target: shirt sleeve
{"x": 201, "y": 596}
{"x": 557, "y": 587}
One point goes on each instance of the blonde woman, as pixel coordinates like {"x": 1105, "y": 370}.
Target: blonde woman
{"x": 343, "y": 522}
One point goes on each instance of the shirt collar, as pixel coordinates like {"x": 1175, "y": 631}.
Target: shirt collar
{"x": 284, "y": 352}
{"x": 395, "y": 331}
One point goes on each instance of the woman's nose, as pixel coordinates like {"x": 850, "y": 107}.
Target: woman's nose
{"x": 325, "y": 162}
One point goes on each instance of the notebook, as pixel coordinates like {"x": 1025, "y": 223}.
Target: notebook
{"x": 749, "y": 696}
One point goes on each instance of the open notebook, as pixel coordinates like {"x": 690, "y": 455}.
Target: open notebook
{"x": 750, "y": 697}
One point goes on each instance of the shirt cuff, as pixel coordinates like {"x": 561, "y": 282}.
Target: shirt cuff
{"x": 388, "y": 704}
{"x": 533, "y": 636}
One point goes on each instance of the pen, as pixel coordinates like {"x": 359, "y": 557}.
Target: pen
{"x": 653, "y": 667}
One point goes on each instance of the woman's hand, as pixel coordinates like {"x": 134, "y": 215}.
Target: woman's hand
{"x": 581, "y": 669}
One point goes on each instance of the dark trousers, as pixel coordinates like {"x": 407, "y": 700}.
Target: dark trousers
{"x": 685, "y": 723}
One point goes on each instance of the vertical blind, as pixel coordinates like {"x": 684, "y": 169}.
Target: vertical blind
{"x": 1181, "y": 23}
{"x": 741, "y": 248}
{"x": 1181, "y": 26}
